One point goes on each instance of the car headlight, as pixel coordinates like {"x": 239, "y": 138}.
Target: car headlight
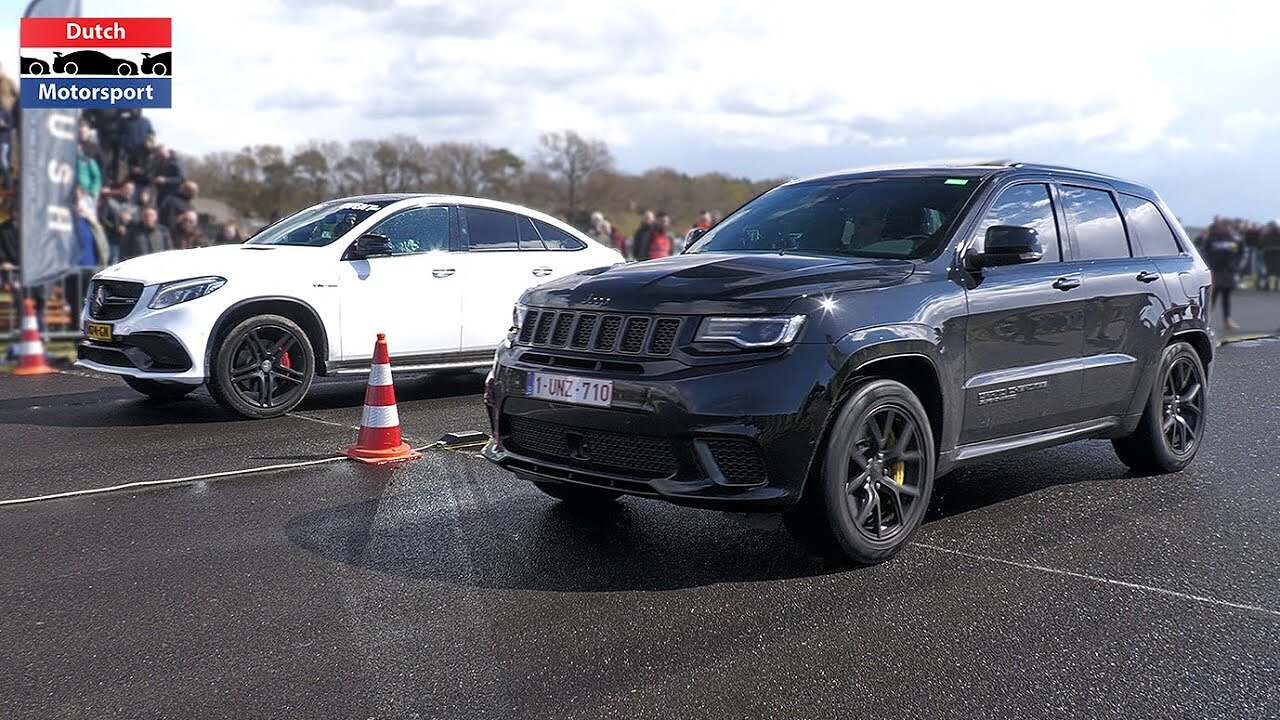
{"x": 172, "y": 293}
{"x": 518, "y": 314}
{"x": 751, "y": 332}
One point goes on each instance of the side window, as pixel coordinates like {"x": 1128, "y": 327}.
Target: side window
{"x": 1099, "y": 230}
{"x": 529, "y": 238}
{"x": 1027, "y": 206}
{"x": 1148, "y": 224}
{"x": 491, "y": 230}
{"x": 557, "y": 239}
{"x": 416, "y": 230}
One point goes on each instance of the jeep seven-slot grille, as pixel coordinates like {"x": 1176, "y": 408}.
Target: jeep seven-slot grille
{"x": 600, "y": 332}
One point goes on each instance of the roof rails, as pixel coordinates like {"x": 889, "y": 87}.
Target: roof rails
{"x": 1058, "y": 168}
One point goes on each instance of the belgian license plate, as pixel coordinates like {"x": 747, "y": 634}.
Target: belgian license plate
{"x": 563, "y": 388}
{"x": 98, "y": 331}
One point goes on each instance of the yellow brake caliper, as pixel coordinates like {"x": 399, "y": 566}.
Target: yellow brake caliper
{"x": 899, "y": 472}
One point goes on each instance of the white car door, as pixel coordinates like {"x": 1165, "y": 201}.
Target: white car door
{"x": 504, "y": 257}
{"x": 414, "y": 295}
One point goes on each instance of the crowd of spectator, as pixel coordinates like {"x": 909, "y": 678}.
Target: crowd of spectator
{"x": 654, "y": 238}
{"x": 1241, "y": 254}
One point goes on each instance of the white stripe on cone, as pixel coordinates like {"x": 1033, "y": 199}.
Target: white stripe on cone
{"x": 31, "y": 347}
{"x": 380, "y": 374}
{"x": 29, "y": 323}
{"x": 376, "y": 416}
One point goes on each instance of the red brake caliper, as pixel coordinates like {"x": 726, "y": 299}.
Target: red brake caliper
{"x": 285, "y": 362}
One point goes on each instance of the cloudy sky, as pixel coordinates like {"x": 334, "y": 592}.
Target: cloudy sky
{"x": 1184, "y": 96}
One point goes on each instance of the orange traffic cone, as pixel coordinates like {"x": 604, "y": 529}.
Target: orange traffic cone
{"x": 30, "y": 350}
{"x": 379, "y": 440}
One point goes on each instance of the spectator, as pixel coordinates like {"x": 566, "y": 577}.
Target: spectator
{"x": 230, "y": 234}
{"x": 186, "y": 233}
{"x": 607, "y": 234}
{"x": 6, "y": 142}
{"x": 165, "y": 174}
{"x": 660, "y": 244}
{"x": 146, "y": 198}
{"x": 117, "y": 211}
{"x": 1225, "y": 254}
{"x": 147, "y": 236}
{"x": 639, "y": 249}
{"x": 675, "y": 242}
{"x": 703, "y": 222}
{"x": 178, "y": 203}
{"x": 1271, "y": 254}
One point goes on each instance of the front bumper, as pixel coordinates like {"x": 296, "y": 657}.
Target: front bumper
{"x": 732, "y": 436}
{"x": 165, "y": 344}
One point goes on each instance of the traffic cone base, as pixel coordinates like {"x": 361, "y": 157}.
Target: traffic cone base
{"x": 31, "y": 360}
{"x": 379, "y": 440}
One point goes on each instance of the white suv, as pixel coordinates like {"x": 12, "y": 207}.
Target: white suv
{"x": 307, "y": 295}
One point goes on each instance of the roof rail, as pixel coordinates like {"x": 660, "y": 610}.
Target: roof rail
{"x": 1059, "y": 168}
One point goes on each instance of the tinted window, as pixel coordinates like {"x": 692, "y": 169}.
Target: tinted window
{"x": 417, "y": 230}
{"x": 1026, "y": 206}
{"x": 557, "y": 239}
{"x": 1099, "y": 230}
{"x": 529, "y": 238}
{"x": 1148, "y": 225}
{"x": 317, "y": 225}
{"x": 491, "y": 230}
{"x": 888, "y": 217}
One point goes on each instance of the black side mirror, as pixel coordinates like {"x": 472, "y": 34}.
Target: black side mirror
{"x": 370, "y": 245}
{"x": 692, "y": 236}
{"x": 1006, "y": 245}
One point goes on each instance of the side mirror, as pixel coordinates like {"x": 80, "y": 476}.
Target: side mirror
{"x": 693, "y": 235}
{"x": 370, "y": 245}
{"x": 1006, "y": 245}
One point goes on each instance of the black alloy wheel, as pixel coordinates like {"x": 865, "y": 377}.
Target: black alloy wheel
{"x": 263, "y": 367}
{"x": 1183, "y": 406}
{"x": 883, "y": 476}
{"x": 1175, "y": 418}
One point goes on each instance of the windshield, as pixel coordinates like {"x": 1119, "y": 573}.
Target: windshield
{"x": 317, "y": 225}
{"x": 897, "y": 217}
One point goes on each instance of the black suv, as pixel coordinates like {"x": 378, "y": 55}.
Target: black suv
{"x": 837, "y": 343}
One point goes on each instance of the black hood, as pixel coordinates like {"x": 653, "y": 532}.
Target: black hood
{"x": 700, "y": 283}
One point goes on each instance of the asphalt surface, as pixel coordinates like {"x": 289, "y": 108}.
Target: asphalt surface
{"x": 1053, "y": 584}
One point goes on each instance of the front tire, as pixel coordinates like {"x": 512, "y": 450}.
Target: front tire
{"x": 876, "y": 477}
{"x": 577, "y": 495}
{"x": 263, "y": 367}
{"x": 157, "y": 390}
{"x": 1173, "y": 423}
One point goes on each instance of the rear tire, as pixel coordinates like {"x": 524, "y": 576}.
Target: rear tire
{"x": 158, "y": 390}
{"x": 876, "y": 478}
{"x": 1173, "y": 422}
{"x": 263, "y": 367}
{"x": 577, "y": 494}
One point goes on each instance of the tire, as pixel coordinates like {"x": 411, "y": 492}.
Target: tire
{"x": 124, "y": 69}
{"x": 257, "y": 372}
{"x": 858, "y": 507}
{"x": 577, "y": 494}
{"x": 37, "y": 68}
{"x": 71, "y": 68}
{"x": 158, "y": 390}
{"x": 1173, "y": 423}
{"x": 159, "y": 69}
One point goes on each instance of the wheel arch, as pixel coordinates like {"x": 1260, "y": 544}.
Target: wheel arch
{"x": 294, "y": 309}
{"x": 1199, "y": 340}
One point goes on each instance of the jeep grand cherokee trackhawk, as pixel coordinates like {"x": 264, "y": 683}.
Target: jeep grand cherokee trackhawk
{"x": 308, "y": 294}
{"x": 840, "y": 341}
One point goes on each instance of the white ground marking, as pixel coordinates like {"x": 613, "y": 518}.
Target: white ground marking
{"x": 1106, "y": 581}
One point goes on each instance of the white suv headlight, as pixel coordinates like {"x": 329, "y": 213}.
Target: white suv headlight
{"x": 751, "y": 332}
{"x": 172, "y": 293}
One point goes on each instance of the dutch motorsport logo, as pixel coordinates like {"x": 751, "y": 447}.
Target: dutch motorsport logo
{"x": 97, "y": 62}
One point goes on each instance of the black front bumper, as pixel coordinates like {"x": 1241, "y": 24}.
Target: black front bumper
{"x": 733, "y": 436}
{"x": 146, "y": 351}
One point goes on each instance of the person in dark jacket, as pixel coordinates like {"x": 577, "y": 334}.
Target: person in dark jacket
{"x": 1271, "y": 255}
{"x": 147, "y": 236}
{"x": 1225, "y": 254}
{"x": 643, "y": 236}
{"x": 176, "y": 205}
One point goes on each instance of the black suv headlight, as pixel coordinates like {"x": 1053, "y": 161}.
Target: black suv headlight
{"x": 752, "y": 333}
{"x": 181, "y": 291}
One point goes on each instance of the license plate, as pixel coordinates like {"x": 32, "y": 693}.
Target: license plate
{"x": 98, "y": 331}
{"x": 563, "y": 388}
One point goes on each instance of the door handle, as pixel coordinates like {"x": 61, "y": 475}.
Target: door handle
{"x": 542, "y": 271}
{"x": 442, "y": 272}
{"x": 1066, "y": 283}
{"x": 1147, "y": 276}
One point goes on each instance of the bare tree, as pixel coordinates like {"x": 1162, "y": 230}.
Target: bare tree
{"x": 572, "y": 160}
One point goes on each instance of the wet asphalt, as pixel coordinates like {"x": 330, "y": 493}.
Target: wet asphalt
{"x": 1053, "y": 584}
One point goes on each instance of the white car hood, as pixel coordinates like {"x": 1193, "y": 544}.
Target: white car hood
{"x": 223, "y": 260}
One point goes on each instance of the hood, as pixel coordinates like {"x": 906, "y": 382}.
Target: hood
{"x": 223, "y": 260}
{"x": 700, "y": 283}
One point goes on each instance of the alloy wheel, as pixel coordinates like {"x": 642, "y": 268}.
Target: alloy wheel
{"x": 1182, "y": 414}
{"x": 262, "y": 367}
{"x": 885, "y": 473}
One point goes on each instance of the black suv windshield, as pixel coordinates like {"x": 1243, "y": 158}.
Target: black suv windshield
{"x": 887, "y": 217}
{"x": 317, "y": 225}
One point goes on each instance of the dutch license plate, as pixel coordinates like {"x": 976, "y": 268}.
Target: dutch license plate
{"x": 98, "y": 331}
{"x": 563, "y": 388}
